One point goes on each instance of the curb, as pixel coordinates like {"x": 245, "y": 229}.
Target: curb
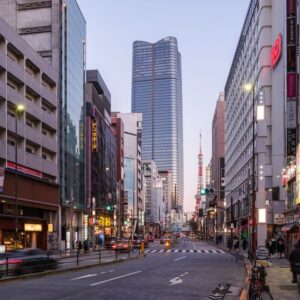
{"x": 54, "y": 272}
{"x": 245, "y": 291}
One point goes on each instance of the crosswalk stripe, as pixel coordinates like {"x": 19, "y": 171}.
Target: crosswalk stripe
{"x": 206, "y": 251}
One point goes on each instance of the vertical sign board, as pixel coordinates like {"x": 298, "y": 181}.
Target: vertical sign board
{"x": 2, "y": 172}
{"x": 94, "y": 135}
{"x": 291, "y": 77}
{"x": 298, "y": 176}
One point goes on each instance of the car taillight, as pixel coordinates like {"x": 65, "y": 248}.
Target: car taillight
{"x": 126, "y": 246}
{"x": 10, "y": 261}
{"x": 114, "y": 246}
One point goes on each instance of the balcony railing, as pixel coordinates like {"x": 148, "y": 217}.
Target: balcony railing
{"x": 49, "y": 167}
{"x": 33, "y": 135}
{"x": 11, "y": 154}
{"x": 11, "y": 125}
{"x": 2, "y": 60}
{"x": 34, "y": 109}
{"x": 14, "y": 96}
{"x": 2, "y": 89}
{"x": 2, "y": 118}
{"x": 15, "y": 68}
{"x": 49, "y": 143}
{"x": 49, "y": 119}
{"x": 49, "y": 96}
{"x": 33, "y": 83}
{"x": 33, "y": 161}
{"x": 2, "y": 148}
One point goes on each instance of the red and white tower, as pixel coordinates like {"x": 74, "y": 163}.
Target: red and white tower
{"x": 200, "y": 176}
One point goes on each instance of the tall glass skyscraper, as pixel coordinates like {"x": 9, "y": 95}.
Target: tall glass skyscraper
{"x": 157, "y": 93}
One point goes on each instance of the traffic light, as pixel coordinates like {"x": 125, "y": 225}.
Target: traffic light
{"x": 207, "y": 191}
{"x": 109, "y": 207}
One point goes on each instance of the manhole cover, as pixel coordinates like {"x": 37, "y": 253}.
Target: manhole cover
{"x": 288, "y": 287}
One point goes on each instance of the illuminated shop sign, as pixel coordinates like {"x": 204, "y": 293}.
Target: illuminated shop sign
{"x": 104, "y": 221}
{"x": 94, "y": 135}
{"x": 291, "y": 76}
{"x": 32, "y": 227}
{"x": 276, "y": 51}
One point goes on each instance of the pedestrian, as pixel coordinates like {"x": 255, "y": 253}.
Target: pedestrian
{"x": 229, "y": 244}
{"x": 295, "y": 261}
{"x": 79, "y": 245}
{"x": 236, "y": 244}
{"x": 85, "y": 246}
{"x": 244, "y": 244}
{"x": 280, "y": 246}
{"x": 273, "y": 246}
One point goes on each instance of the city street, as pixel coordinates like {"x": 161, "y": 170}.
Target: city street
{"x": 178, "y": 274}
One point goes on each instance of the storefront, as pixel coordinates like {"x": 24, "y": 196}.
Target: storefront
{"x": 291, "y": 214}
{"x": 25, "y": 223}
{"x": 104, "y": 227}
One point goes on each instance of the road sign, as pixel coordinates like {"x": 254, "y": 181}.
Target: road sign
{"x": 262, "y": 252}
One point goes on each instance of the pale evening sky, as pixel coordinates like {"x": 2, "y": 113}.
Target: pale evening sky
{"x": 207, "y": 33}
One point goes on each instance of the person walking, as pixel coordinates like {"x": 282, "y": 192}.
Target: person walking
{"x": 295, "y": 261}
{"x": 280, "y": 246}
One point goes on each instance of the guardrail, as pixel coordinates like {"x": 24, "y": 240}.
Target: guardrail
{"x": 53, "y": 260}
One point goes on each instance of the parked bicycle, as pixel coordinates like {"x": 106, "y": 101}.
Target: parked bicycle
{"x": 258, "y": 288}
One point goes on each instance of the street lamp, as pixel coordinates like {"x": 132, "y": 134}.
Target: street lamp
{"x": 19, "y": 109}
{"x": 251, "y": 88}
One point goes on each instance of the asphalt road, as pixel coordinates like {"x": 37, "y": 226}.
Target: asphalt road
{"x": 178, "y": 274}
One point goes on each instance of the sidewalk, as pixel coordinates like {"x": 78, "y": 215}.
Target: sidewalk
{"x": 279, "y": 279}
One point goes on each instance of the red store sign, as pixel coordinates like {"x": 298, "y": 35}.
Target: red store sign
{"x": 276, "y": 51}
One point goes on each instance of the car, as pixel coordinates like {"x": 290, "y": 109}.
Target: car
{"x": 110, "y": 242}
{"x": 25, "y": 261}
{"x": 163, "y": 239}
{"x": 138, "y": 239}
{"x": 122, "y": 245}
{"x": 150, "y": 238}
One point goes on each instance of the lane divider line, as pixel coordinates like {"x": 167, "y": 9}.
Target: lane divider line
{"x": 85, "y": 276}
{"x": 179, "y": 258}
{"x": 115, "y": 278}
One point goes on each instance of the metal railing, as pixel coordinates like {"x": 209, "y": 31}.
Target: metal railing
{"x": 16, "y": 266}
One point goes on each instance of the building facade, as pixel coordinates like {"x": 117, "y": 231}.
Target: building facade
{"x": 157, "y": 93}
{"x": 218, "y": 164}
{"x": 29, "y": 192}
{"x": 118, "y": 129}
{"x": 134, "y": 201}
{"x": 154, "y": 198}
{"x": 258, "y": 144}
{"x": 56, "y": 29}
{"x": 101, "y": 154}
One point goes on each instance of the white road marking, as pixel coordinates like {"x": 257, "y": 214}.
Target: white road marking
{"x": 179, "y": 258}
{"x": 115, "y": 278}
{"x": 109, "y": 271}
{"x": 85, "y": 276}
{"x": 184, "y": 274}
{"x": 175, "y": 280}
{"x": 194, "y": 246}
{"x": 168, "y": 251}
{"x": 160, "y": 251}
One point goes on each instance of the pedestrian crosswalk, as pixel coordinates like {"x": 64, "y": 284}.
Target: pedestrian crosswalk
{"x": 207, "y": 251}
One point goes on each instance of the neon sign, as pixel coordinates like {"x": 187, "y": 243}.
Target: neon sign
{"x": 276, "y": 51}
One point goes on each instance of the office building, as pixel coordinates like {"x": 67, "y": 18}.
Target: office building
{"x": 29, "y": 190}
{"x": 101, "y": 153}
{"x": 157, "y": 94}
{"x": 134, "y": 201}
{"x": 56, "y": 29}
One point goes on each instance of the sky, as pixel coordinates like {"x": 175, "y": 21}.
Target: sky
{"x": 207, "y": 33}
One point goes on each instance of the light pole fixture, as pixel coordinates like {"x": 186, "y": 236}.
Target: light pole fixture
{"x": 251, "y": 88}
{"x": 18, "y": 109}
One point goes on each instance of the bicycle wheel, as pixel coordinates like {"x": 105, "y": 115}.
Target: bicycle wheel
{"x": 263, "y": 295}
